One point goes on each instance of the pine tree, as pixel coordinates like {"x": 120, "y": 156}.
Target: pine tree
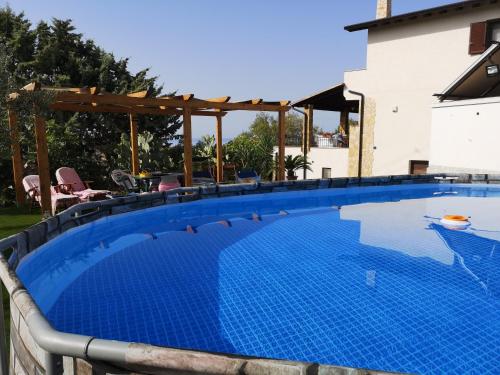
{"x": 54, "y": 54}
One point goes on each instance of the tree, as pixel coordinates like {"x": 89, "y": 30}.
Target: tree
{"x": 294, "y": 163}
{"x": 266, "y": 124}
{"x": 54, "y": 54}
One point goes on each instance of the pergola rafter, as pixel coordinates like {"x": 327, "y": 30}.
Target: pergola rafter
{"x": 95, "y": 100}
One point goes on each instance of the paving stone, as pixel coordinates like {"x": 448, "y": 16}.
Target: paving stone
{"x": 14, "y": 314}
{"x": 268, "y": 367}
{"x": 83, "y": 367}
{"x": 181, "y": 361}
{"x": 30, "y": 344}
{"x": 23, "y": 353}
{"x": 69, "y": 365}
{"x": 18, "y": 367}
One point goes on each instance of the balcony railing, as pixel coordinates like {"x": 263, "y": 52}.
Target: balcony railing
{"x": 320, "y": 142}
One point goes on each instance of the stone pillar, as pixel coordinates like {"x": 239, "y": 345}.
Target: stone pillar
{"x": 368, "y": 141}
{"x": 384, "y": 8}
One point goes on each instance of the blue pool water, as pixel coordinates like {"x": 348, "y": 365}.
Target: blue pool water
{"x": 360, "y": 277}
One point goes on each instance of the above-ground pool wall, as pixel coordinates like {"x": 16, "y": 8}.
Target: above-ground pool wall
{"x": 27, "y": 357}
{"x": 465, "y": 136}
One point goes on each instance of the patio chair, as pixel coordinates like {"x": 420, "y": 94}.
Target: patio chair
{"x": 31, "y": 184}
{"x": 168, "y": 183}
{"x": 125, "y": 181}
{"x": 68, "y": 177}
{"x": 248, "y": 176}
{"x": 203, "y": 178}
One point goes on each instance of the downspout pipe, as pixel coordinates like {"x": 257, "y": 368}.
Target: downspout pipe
{"x": 303, "y": 141}
{"x": 361, "y": 129}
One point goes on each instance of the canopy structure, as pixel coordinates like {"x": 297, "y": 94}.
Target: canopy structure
{"x": 331, "y": 99}
{"x": 134, "y": 104}
{"x": 477, "y": 82}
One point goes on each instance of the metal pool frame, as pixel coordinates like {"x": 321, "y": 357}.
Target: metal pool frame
{"x": 53, "y": 352}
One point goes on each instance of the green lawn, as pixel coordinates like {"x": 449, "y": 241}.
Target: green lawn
{"x": 14, "y": 220}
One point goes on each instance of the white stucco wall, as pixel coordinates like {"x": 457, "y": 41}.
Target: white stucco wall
{"x": 465, "y": 136}
{"x": 334, "y": 158}
{"x": 406, "y": 65}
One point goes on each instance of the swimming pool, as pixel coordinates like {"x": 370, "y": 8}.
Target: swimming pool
{"x": 359, "y": 277}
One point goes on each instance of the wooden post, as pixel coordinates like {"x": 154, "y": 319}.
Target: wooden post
{"x": 305, "y": 141}
{"x": 134, "y": 147}
{"x": 309, "y": 110}
{"x": 188, "y": 147}
{"x": 218, "y": 136}
{"x": 281, "y": 145}
{"x": 344, "y": 122}
{"x": 42, "y": 155}
{"x": 17, "y": 161}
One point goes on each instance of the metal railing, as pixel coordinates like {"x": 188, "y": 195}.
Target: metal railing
{"x": 320, "y": 142}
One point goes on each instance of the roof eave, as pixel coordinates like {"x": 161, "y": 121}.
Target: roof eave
{"x": 440, "y": 10}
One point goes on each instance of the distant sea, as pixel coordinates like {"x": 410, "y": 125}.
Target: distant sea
{"x": 224, "y": 140}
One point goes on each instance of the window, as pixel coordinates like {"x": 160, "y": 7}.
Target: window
{"x": 418, "y": 166}
{"x": 482, "y": 34}
{"x": 494, "y": 33}
{"x": 326, "y": 173}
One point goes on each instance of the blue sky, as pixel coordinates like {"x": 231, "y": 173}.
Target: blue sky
{"x": 274, "y": 49}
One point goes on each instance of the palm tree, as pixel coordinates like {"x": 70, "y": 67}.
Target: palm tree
{"x": 293, "y": 164}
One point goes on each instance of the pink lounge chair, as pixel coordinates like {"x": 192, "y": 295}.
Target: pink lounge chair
{"x": 68, "y": 177}
{"x": 168, "y": 183}
{"x": 31, "y": 184}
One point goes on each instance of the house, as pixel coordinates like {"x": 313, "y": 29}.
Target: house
{"x": 410, "y": 58}
{"x": 465, "y": 123}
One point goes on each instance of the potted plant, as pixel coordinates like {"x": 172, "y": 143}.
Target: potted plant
{"x": 292, "y": 164}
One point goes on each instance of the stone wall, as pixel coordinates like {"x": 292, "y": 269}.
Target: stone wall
{"x": 370, "y": 113}
{"x": 28, "y": 358}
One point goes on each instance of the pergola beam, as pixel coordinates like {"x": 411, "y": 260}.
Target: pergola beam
{"x": 138, "y": 94}
{"x": 184, "y": 97}
{"x": 33, "y": 86}
{"x": 112, "y": 99}
{"x": 73, "y": 107}
{"x": 222, "y": 99}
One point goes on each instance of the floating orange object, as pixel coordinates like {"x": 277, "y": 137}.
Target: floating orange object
{"x": 456, "y": 218}
{"x": 455, "y": 222}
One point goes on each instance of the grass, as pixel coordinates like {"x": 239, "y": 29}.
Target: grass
{"x": 12, "y": 221}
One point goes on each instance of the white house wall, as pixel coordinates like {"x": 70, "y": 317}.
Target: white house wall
{"x": 334, "y": 158}
{"x": 465, "y": 136}
{"x": 406, "y": 65}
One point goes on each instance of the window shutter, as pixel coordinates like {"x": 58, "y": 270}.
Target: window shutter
{"x": 478, "y": 36}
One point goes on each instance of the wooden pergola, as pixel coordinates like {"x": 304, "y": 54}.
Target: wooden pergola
{"x": 134, "y": 104}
